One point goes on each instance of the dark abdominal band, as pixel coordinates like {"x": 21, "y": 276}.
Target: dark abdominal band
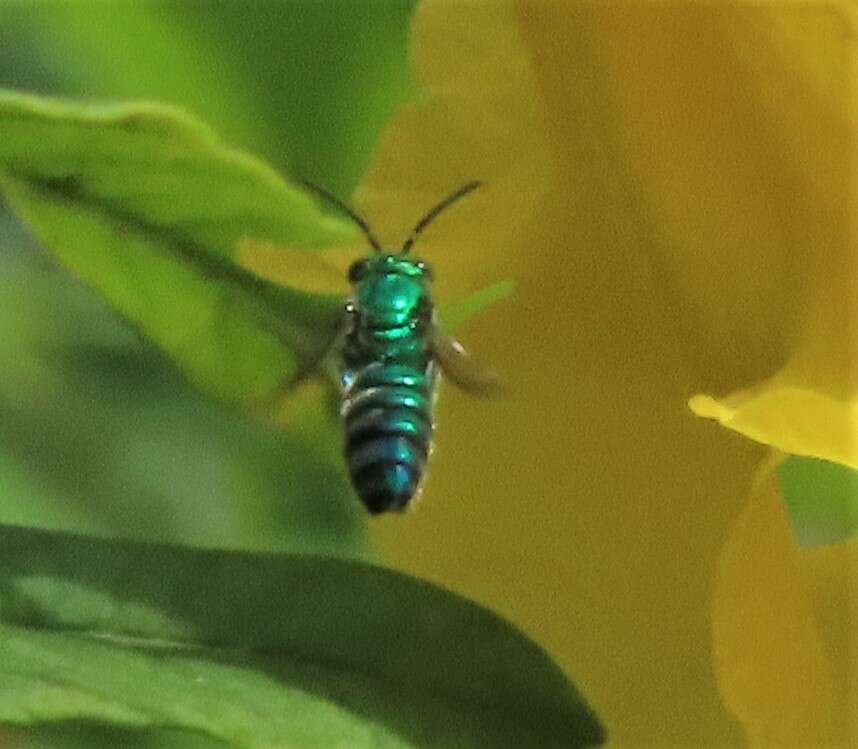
{"x": 388, "y": 431}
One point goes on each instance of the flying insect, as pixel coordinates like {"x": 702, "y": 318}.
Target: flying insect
{"x": 392, "y": 348}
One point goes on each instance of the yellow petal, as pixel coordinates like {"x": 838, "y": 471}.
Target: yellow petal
{"x": 808, "y": 404}
{"x": 482, "y": 119}
{"x": 653, "y": 218}
{"x": 810, "y": 407}
{"x": 793, "y": 419}
{"x": 784, "y": 629}
{"x": 739, "y": 139}
{"x": 570, "y": 508}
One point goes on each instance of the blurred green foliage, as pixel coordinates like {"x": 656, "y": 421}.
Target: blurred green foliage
{"x": 306, "y": 85}
{"x": 145, "y": 205}
{"x": 821, "y": 498}
{"x": 100, "y": 433}
{"x": 267, "y": 651}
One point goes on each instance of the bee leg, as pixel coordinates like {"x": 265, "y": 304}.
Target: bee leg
{"x": 461, "y": 369}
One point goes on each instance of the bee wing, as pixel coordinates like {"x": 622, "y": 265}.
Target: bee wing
{"x": 321, "y": 272}
{"x": 324, "y": 367}
{"x": 461, "y": 369}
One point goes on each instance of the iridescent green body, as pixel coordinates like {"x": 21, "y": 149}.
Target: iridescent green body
{"x": 390, "y": 351}
{"x": 389, "y": 379}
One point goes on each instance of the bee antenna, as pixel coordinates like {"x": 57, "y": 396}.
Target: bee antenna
{"x": 432, "y": 214}
{"x": 331, "y": 198}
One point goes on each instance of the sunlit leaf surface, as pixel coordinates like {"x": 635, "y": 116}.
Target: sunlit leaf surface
{"x": 144, "y": 204}
{"x": 266, "y": 651}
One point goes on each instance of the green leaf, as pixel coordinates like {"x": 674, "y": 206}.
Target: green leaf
{"x": 87, "y": 735}
{"x": 821, "y": 498}
{"x": 99, "y": 434}
{"x": 266, "y": 651}
{"x": 143, "y": 203}
{"x": 245, "y": 72}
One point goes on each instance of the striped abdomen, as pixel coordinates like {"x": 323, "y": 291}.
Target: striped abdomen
{"x": 388, "y": 425}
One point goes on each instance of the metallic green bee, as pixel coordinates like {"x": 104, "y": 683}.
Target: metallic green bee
{"x": 391, "y": 345}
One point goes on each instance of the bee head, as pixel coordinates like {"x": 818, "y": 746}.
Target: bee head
{"x": 390, "y": 290}
{"x": 396, "y": 264}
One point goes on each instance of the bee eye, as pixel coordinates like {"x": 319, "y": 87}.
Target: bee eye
{"x": 357, "y": 270}
{"x": 425, "y": 270}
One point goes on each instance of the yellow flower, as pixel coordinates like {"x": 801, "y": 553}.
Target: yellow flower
{"x": 670, "y": 186}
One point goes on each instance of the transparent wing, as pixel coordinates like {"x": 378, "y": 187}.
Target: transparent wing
{"x": 460, "y": 368}
{"x": 320, "y": 272}
{"x": 326, "y": 367}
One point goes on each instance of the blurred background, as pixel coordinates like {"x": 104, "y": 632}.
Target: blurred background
{"x": 98, "y": 432}
{"x": 686, "y": 187}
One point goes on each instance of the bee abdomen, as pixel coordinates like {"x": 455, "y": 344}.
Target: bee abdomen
{"x": 388, "y": 432}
